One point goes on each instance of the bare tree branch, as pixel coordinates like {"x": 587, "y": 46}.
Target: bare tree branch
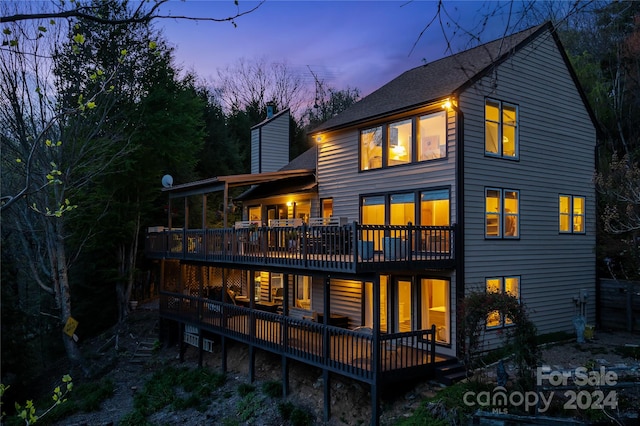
{"x": 90, "y": 13}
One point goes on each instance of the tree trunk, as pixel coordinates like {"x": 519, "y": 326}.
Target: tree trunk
{"x": 64, "y": 294}
{"x": 127, "y": 269}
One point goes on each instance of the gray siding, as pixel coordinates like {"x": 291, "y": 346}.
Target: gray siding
{"x": 339, "y": 176}
{"x": 270, "y": 143}
{"x": 557, "y": 141}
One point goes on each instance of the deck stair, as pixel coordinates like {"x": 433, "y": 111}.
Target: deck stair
{"x": 450, "y": 371}
{"x": 144, "y": 351}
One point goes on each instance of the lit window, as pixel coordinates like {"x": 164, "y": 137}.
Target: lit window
{"x": 434, "y": 306}
{"x": 373, "y": 210}
{"x": 501, "y": 129}
{"x": 400, "y": 142}
{"x": 508, "y": 285}
{"x": 371, "y": 148}
{"x": 571, "y": 214}
{"x": 502, "y": 213}
{"x": 402, "y": 209}
{"x": 327, "y": 207}
{"x": 418, "y": 138}
{"x": 302, "y": 292}
{"x": 432, "y": 136}
{"x": 434, "y": 208}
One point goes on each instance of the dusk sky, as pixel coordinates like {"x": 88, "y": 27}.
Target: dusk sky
{"x": 356, "y": 44}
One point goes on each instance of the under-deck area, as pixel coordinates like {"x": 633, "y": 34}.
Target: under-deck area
{"x": 359, "y": 354}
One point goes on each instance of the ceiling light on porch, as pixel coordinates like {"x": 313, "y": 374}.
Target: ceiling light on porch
{"x": 446, "y": 104}
{"x": 319, "y": 138}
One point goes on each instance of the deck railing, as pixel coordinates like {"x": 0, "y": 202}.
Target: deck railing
{"x": 350, "y": 248}
{"x": 345, "y": 351}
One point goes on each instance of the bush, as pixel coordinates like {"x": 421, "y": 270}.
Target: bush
{"x": 272, "y": 389}
{"x": 245, "y": 389}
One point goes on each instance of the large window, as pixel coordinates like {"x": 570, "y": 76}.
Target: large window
{"x": 434, "y": 208}
{"x": 373, "y": 210}
{"x": 502, "y": 213}
{"x": 508, "y": 285}
{"x": 368, "y": 303}
{"x": 501, "y": 129}
{"x": 302, "y": 292}
{"x": 371, "y": 148}
{"x": 406, "y": 141}
{"x": 571, "y": 214}
{"x": 402, "y": 209}
{"x": 432, "y": 136}
{"x": 405, "y": 306}
{"x": 434, "y": 303}
{"x": 400, "y": 142}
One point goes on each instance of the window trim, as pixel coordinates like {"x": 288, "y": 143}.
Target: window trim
{"x": 502, "y": 216}
{"x": 571, "y": 214}
{"x": 500, "y": 123}
{"x": 502, "y": 280}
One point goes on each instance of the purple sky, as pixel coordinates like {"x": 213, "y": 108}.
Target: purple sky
{"x": 357, "y": 44}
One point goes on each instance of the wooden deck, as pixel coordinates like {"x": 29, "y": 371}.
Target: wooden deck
{"x": 350, "y": 248}
{"x": 363, "y": 356}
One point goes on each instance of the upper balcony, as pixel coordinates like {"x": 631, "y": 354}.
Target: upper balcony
{"x": 350, "y": 248}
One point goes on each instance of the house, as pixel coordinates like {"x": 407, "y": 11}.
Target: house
{"x": 471, "y": 173}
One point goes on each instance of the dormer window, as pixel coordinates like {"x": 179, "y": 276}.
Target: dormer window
{"x": 501, "y": 129}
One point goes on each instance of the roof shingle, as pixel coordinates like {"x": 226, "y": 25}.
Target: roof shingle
{"x": 430, "y": 82}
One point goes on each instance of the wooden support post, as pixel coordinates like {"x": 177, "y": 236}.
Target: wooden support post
{"x": 200, "y": 343}
{"x": 223, "y": 361}
{"x": 327, "y": 394}
{"x": 252, "y": 364}
{"x": 375, "y": 354}
{"x": 285, "y": 376}
{"x": 181, "y": 339}
{"x": 375, "y": 398}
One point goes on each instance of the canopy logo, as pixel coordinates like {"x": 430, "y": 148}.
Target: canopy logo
{"x": 499, "y": 399}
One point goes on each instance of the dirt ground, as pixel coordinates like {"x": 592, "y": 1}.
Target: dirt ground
{"x": 350, "y": 400}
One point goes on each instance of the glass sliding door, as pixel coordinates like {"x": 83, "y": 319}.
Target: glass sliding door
{"x": 368, "y": 304}
{"x": 435, "y": 307}
{"x": 404, "y": 306}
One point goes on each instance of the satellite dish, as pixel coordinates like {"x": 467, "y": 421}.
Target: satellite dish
{"x": 167, "y": 181}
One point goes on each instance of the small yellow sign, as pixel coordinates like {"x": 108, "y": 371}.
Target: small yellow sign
{"x": 70, "y": 327}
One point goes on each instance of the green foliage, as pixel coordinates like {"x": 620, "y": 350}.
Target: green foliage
{"x": 27, "y": 412}
{"x": 446, "y": 407}
{"x": 92, "y": 394}
{"x": 249, "y": 406}
{"x": 628, "y": 351}
{"x": 272, "y": 389}
{"x": 245, "y": 389}
{"x": 297, "y": 416}
{"x": 162, "y": 391}
{"x": 520, "y": 338}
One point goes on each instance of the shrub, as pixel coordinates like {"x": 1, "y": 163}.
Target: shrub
{"x": 272, "y": 389}
{"x": 520, "y": 337}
